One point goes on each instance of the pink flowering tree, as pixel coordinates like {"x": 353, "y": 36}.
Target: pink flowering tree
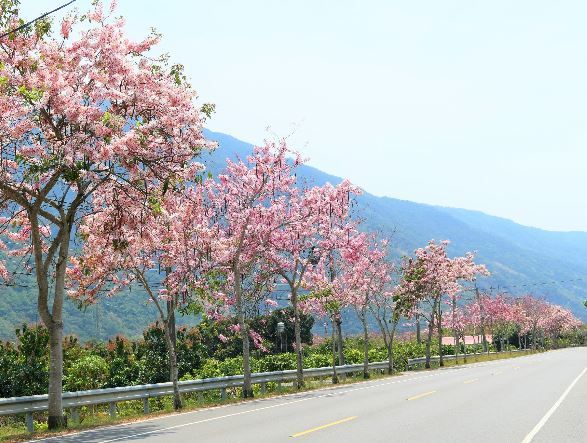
{"x": 558, "y": 321}
{"x": 382, "y": 296}
{"x": 459, "y": 322}
{"x": 427, "y": 278}
{"x": 500, "y": 318}
{"x": 165, "y": 247}
{"x": 315, "y": 225}
{"x": 476, "y": 315}
{"x": 334, "y": 283}
{"x": 534, "y": 312}
{"x": 249, "y": 202}
{"x": 81, "y": 111}
{"x": 369, "y": 275}
{"x": 324, "y": 300}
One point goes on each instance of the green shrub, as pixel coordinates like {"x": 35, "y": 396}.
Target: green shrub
{"x": 318, "y": 360}
{"x": 210, "y": 369}
{"x": 277, "y": 362}
{"x": 89, "y": 372}
{"x": 353, "y": 356}
{"x": 33, "y": 360}
{"x": 377, "y": 354}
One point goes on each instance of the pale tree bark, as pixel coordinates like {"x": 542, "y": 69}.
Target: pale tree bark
{"x": 362, "y": 314}
{"x": 482, "y": 314}
{"x": 52, "y": 317}
{"x": 168, "y": 319}
{"x": 294, "y": 281}
{"x": 388, "y": 334}
{"x": 298, "y": 338}
{"x": 244, "y": 332}
{"x": 333, "y": 346}
{"x": 455, "y": 332}
{"x": 431, "y": 325}
{"x": 439, "y": 326}
{"x": 172, "y": 345}
{"x": 340, "y": 343}
{"x": 173, "y": 370}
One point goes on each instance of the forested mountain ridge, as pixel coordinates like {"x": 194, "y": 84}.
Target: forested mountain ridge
{"x": 521, "y": 259}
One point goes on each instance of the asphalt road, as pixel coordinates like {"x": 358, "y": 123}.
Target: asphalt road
{"x": 539, "y": 398}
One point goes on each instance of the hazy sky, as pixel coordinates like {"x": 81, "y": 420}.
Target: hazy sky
{"x": 473, "y": 104}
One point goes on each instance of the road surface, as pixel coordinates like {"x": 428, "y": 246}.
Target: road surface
{"x": 539, "y": 398}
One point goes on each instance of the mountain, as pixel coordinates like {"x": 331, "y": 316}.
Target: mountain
{"x": 521, "y": 259}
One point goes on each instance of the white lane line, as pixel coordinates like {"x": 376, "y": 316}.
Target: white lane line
{"x": 234, "y": 414}
{"x": 544, "y": 419}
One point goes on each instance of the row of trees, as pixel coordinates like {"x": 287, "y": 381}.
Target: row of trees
{"x": 99, "y": 146}
{"x": 526, "y": 317}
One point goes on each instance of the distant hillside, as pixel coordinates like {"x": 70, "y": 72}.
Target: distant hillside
{"x": 516, "y": 255}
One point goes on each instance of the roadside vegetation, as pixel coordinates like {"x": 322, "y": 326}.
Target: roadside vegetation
{"x": 201, "y": 354}
{"x": 102, "y": 191}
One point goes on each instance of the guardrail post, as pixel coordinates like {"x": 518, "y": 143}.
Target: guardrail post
{"x": 30, "y": 425}
{"x": 223, "y": 393}
{"x": 74, "y": 415}
{"x": 200, "y": 396}
{"x": 263, "y": 387}
{"x": 146, "y": 408}
{"x": 112, "y": 405}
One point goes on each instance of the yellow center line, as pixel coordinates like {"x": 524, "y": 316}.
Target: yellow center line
{"x": 334, "y": 423}
{"x": 497, "y": 372}
{"x": 471, "y": 381}
{"x": 416, "y": 397}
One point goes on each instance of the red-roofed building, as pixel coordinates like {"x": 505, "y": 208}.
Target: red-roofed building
{"x": 469, "y": 340}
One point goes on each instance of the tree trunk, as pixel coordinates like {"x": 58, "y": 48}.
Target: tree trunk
{"x": 390, "y": 357}
{"x": 244, "y": 331}
{"x": 171, "y": 335}
{"x": 54, "y": 323}
{"x": 341, "y": 361}
{"x": 365, "y": 344}
{"x": 298, "y": 334}
{"x": 464, "y": 349}
{"x": 173, "y": 371}
{"x": 56, "y": 419}
{"x": 333, "y": 345}
{"x": 387, "y": 338}
{"x": 390, "y": 350}
{"x": 418, "y": 333}
{"x": 429, "y": 340}
{"x": 485, "y": 347}
{"x": 440, "y": 357}
{"x": 455, "y": 333}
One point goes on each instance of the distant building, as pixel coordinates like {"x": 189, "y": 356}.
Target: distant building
{"x": 469, "y": 340}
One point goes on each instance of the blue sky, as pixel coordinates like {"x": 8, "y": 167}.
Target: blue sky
{"x": 473, "y": 104}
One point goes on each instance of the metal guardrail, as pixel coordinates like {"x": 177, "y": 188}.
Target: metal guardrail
{"x": 436, "y": 358}
{"x": 75, "y": 400}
